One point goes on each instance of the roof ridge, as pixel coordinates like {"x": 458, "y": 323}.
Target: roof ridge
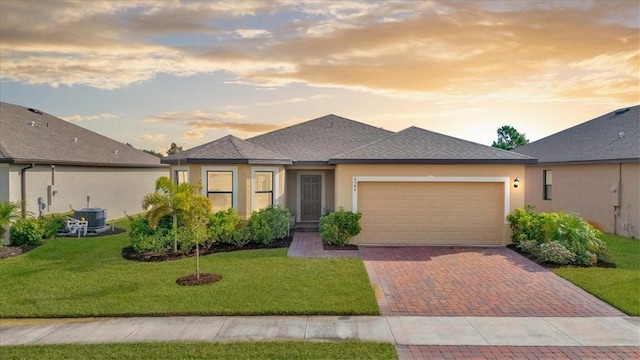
{"x": 232, "y": 138}
{"x": 469, "y": 142}
{"x": 369, "y": 144}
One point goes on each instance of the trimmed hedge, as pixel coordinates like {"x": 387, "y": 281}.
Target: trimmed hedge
{"x": 338, "y": 227}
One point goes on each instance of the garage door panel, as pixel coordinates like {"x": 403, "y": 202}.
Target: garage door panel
{"x": 430, "y": 213}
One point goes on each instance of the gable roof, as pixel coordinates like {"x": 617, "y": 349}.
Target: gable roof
{"x": 31, "y": 136}
{"x": 318, "y": 140}
{"x": 611, "y": 137}
{"x": 418, "y": 146}
{"x": 228, "y": 149}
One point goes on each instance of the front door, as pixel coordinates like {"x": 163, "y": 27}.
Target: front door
{"x": 310, "y": 197}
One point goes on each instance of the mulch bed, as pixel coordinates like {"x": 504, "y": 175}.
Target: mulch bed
{"x": 7, "y": 251}
{"x": 346, "y": 247}
{"x": 129, "y": 252}
{"x": 556, "y": 266}
{"x": 191, "y": 280}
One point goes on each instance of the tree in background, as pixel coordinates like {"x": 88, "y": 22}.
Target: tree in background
{"x": 174, "y": 149}
{"x": 154, "y": 153}
{"x": 509, "y": 138}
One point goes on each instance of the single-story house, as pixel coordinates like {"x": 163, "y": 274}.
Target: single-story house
{"x": 53, "y": 166}
{"x": 413, "y": 187}
{"x": 592, "y": 169}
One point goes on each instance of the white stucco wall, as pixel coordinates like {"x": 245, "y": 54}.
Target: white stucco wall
{"x": 115, "y": 189}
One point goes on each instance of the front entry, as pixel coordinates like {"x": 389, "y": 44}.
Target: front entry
{"x": 310, "y": 197}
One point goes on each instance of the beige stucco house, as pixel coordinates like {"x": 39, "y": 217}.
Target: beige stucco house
{"x": 592, "y": 169}
{"x": 52, "y": 166}
{"x": 412, "y": 187}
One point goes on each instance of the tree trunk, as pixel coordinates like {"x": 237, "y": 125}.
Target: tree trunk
{"x": 197, "y": 261}
{"x": 175, "y": 232}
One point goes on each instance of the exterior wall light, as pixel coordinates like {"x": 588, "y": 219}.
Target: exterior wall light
{"x": 516, "y": 182}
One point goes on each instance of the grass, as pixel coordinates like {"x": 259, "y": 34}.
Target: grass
{"x": 87, "y": 277}
{"x": 244, "y": 350}
{"x": 618, "y": 286}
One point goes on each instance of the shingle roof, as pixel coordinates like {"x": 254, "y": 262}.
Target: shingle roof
{"x": 36, "y": 137}
{"x": 611, "y": 137}
{"x": 228, "y": 149}
{"x": 418, "y": 146}
{"x": 320, "y": 139}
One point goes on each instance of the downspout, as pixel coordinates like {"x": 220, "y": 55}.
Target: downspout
{"x": 616, "y": 209}
{"x": 23, "y": 190}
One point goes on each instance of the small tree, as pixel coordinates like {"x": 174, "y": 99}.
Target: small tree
{"x": 509, "y": 138}
{"x": 196, "y": 221}
{"x": 168, "y": 199}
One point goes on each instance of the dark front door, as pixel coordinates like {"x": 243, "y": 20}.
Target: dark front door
{"x": 310, "y": 197}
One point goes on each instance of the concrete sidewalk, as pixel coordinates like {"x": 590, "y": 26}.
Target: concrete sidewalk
{"x": 398, "y": 330}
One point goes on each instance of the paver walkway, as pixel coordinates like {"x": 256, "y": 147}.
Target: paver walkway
{"x": 469, "y": 281}
{"x": 416, "y": 352}
{"x": 309, "y": 245}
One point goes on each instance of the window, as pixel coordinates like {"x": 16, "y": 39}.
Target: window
{"x": 180, "y": 176}
{"x": 546, "y": 174}
{"x": 220, "y": 189}
{"x": 264, "y": 189}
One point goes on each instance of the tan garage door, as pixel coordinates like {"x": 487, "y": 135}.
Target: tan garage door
{"x": 431, "y": 213}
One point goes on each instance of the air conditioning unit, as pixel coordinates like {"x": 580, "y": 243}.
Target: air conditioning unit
{"x": 96, "y": 217}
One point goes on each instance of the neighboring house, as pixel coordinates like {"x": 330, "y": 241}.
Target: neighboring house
{"x": 412, "y": 187}
{"x": 592, "y": 169}
{"x": 52, "y": 166}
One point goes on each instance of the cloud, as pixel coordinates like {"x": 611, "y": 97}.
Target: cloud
{"x": 193, "y": 134}
{"x": 391, "y": 48}
{"x": 88, "y": 117}
{"x": 251, "y": 33}
{"x": 199, "y": 121}
{"x": 154, "y": 137}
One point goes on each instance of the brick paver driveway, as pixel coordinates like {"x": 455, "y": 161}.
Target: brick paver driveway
{"x": 467, "y": 281}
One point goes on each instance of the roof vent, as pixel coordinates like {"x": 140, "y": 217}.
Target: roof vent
{"x": 115, "y": 152}
{"x": 75, "y": 139}
{"x": 621, "y": 134}
{"x": 621, "y": 111}
{"x": 35, "y": 111}
{"x": 32, "y": 123}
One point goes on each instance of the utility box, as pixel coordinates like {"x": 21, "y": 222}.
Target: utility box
{"x": 95, "y": 217}
{"x": 51, "y": 193}
{"x": 615, "y": 195}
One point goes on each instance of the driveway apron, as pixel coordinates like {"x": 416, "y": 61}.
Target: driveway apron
{"x": 470, "y": 281}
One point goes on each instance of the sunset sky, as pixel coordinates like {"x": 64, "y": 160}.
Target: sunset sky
{"x": 154, "y": 72}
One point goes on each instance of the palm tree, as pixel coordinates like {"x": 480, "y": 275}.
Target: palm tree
{"x": 168, "y": 199}
{"x": 8, "y": 213}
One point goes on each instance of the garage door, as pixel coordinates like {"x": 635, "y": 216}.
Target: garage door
{"x": 431, "y": 213}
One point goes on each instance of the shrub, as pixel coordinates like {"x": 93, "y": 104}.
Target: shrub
{"x": 26, "y": 232}
{"x": 139, "y": 226}
{"x": 270, "y": 224}
{"x": 157, "y": 242}
{"x": 51, "y": 225}
{"x": 222, "y": 226}
{"x": 553, "y": 252}
{"x": 241, "y": 237}
{"x": 338, "y": 227}
{"x": 557, "y": 238}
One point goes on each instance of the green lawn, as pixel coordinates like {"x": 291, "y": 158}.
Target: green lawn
{"x": 244, "y": 350}
{"x": 618, "y": 286}
{"x": 88, "y": 277}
